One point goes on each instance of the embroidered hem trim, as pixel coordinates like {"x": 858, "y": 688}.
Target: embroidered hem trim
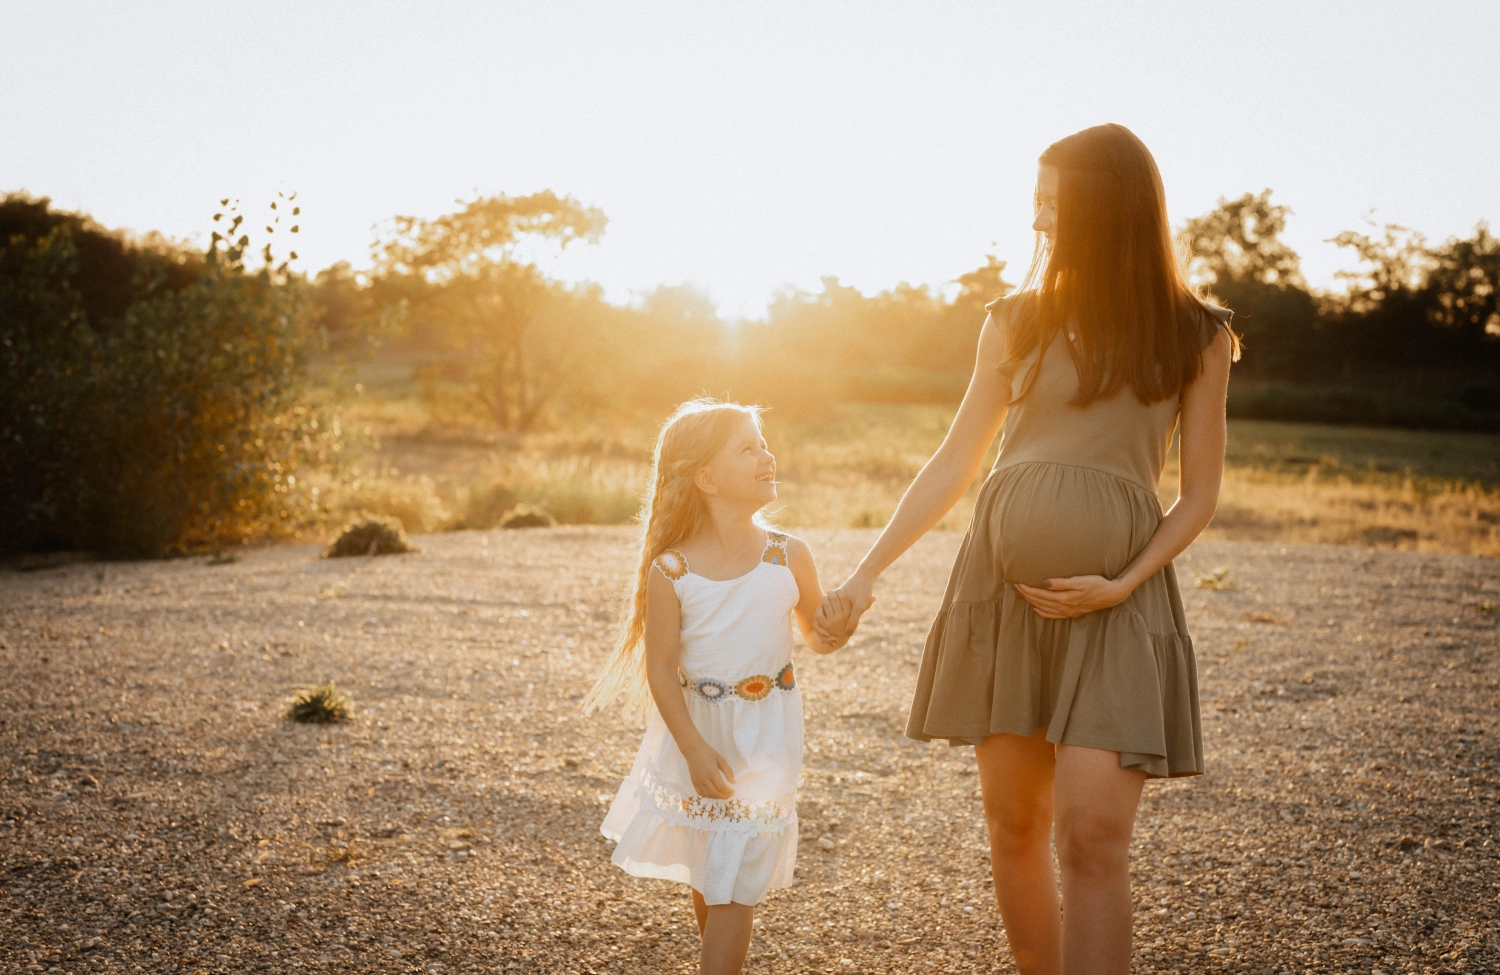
{"x": 754, "y": 688}
{"x": 719, "y": 815}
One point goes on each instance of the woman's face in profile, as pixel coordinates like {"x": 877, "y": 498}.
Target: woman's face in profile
{"x": 1046, "y": 191}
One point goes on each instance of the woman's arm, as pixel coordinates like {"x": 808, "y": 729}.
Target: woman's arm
{"x": 1201, "y": 471}
{"x": 944, "y": 478}
{"x": 710, "y": 773}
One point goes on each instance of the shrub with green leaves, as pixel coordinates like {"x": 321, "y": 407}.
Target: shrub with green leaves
{"x": 174, "y": 420}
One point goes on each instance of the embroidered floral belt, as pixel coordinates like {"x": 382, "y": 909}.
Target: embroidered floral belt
{"x": 754, "y": 688}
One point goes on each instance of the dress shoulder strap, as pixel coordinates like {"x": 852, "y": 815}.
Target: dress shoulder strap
{"x": 1211, "y": 318}
{"x": 775, "y": 552}
{"x": 672, "y": 564}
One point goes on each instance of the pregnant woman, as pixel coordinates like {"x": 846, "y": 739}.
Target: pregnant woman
{"x": 1061, "y": 652}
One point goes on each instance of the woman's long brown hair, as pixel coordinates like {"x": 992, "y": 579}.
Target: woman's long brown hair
{"x": 1111, "y": 275}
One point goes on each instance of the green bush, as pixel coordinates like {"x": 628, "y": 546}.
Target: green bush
{"x": 175, "y": 424}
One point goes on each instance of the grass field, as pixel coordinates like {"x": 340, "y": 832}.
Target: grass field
{"x": 437, "y": 467}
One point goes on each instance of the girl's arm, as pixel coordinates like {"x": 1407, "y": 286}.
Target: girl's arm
{"x": 1201, "y": 467}
{"x": 711, "y": 774}
{"x": 945, "y": 478}
{"x": 809, "y": 596}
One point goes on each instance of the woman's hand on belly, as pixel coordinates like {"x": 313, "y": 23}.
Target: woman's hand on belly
{"x": 1063, "y": 599}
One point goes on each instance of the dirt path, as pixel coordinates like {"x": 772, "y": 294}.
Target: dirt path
{"x": 156, "y": 814}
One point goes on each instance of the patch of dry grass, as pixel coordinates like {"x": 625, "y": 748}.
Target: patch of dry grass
{"x": 411, "y": 499}
{"x": 848, "y": 468}
{"x": 1424, "y": 514}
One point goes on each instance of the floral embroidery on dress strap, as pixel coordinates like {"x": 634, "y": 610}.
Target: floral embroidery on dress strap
{"x": 775, "y": 552}
{"x": 672, "y": 563}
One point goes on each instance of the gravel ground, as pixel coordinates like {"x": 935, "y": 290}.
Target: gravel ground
{"x": 156, "y": 814}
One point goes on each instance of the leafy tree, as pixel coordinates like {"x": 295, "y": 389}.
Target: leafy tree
{"x": 981, "y": 286}
{"x": 1240, "y": 241}
{"x": 467, "y": 282}
{"x": 951, "y": 345}
{"x": 351, "y": 313}
{"x": 906, "y": 327}
{"x": 684, "y": 309}
{"x": 172, "y": 421}
{"x": 1236, "y": 252}
{"x": 1412, "y": 304}
{"x": 105, "y": 262}
{"x": 1396, "y": 264}
{"x": 1465, "y": 283}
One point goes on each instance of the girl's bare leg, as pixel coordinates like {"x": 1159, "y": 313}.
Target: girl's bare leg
{"x": 725, "y": 929}
{"x": 700, "y": 910}
{"x": 1015, "y": 775}
{"x": 1095, "y": 804}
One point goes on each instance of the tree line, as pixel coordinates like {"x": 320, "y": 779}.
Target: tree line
{"x": 1413, "y": 340}
{"x": 155, "y": 399}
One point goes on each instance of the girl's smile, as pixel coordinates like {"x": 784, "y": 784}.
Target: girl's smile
{"x": 744, "y": 470}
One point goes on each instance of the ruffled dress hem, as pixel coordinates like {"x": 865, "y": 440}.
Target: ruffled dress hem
{"x": 1103, "y": 680}
{"x": 726, "y": 862}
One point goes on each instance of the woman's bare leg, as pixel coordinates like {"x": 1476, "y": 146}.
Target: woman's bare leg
{"x": 1015, "y": 775}
{"x": 725, "y": 929}
{"x": 1095, "y": 805}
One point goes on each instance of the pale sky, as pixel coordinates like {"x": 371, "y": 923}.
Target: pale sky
{"x": 745, "y": 147}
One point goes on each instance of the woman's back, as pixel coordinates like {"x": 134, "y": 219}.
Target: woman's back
{"x": 1118, "y": 435}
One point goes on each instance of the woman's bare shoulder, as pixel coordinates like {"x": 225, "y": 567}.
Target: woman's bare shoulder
{"x": 1010, "y": 308}
{"x": 1011, "y": 303}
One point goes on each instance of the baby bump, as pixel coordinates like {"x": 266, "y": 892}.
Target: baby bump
{"x": 1048, "y": 521}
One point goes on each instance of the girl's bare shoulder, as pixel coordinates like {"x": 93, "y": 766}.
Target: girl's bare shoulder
{"x": 797, "y": 548}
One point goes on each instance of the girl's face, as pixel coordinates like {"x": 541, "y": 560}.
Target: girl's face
{"x": 743, "y": 472}
{"x": 1046, "y": 191}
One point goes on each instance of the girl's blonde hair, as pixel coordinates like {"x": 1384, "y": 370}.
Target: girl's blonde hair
{"x": 672, "y": 511}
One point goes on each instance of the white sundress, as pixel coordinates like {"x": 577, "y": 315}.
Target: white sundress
{"x": 736, "y": 675}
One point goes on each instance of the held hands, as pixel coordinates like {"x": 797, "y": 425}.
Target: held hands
{"x": 1062, "y": 599}
{"x": 831, "y": 622}
{"x": 838, "y": 616}
{"x": 712, "y": 777}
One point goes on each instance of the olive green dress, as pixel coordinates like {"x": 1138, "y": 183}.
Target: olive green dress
{"x": 1073, "y": 492}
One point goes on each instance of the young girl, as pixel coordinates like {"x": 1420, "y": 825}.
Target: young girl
{"x": 711, "y": 798}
